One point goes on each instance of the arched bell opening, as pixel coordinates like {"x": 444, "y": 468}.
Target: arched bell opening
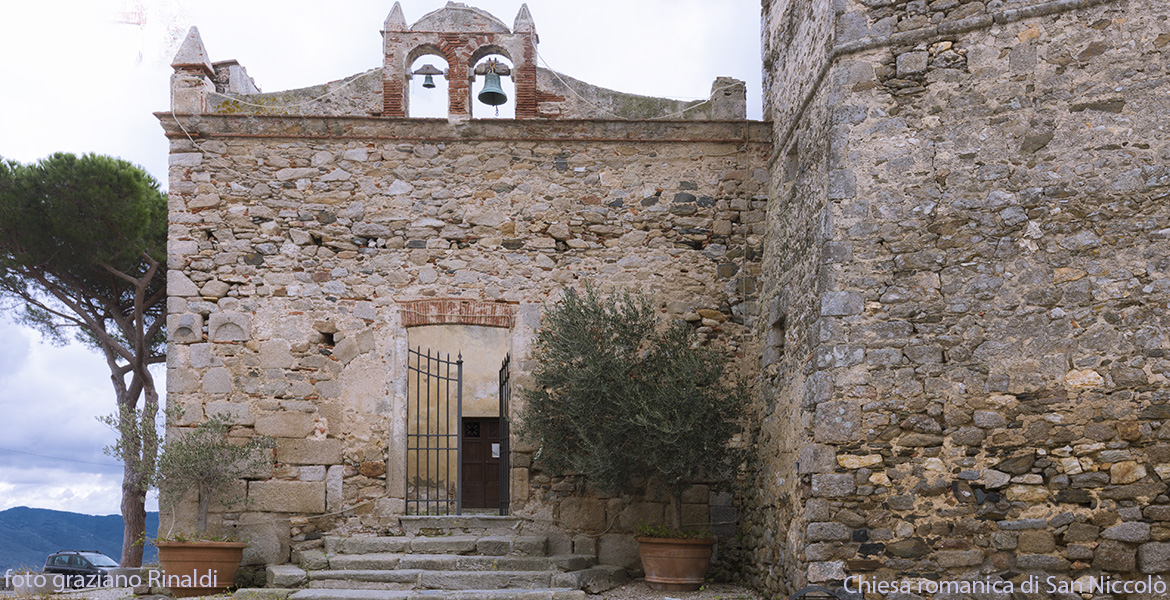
{"x": 493, "y": 88}
{"x": 428, "y": 87}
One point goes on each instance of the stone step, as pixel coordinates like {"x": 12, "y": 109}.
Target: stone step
{"x": 361, "y": 562}
{"x": 446, "y": 562}
{"x": 593, "y": 580}
{"x": 406, "y": 579}
{"x": 364, "y": 576}
{"x": 476, "y": 524}
{"x": 484, "y": 580}
{"x": 490, "y": 545}
{"x": 508, "y": 594}
{"x": 450, "y": 562}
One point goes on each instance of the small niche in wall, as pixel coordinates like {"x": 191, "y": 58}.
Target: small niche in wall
{"x": 791, "y": 164}
{"x": 777, "y": 334}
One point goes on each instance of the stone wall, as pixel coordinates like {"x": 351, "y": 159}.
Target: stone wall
{"x": 966, "y": 283}
{"x": 295, "y": 241}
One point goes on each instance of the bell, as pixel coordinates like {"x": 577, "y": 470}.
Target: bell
{"x": 429, "y": 82}
{"x": 492, "y": 94}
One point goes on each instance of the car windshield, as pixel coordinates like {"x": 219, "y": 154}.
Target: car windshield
{"x": 101, "y": 560}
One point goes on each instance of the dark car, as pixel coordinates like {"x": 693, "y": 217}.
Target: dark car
{"x": 81, "y": 568}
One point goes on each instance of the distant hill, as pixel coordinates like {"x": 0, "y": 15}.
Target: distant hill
{"x": 28, "y": 535}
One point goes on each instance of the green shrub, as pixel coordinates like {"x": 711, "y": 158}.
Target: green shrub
{"x": 622, "y": 399}
{"x": 205, "y": 460}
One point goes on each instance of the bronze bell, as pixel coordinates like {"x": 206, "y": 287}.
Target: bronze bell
{"x": 492, "y": 94}
{"x": 429, "y": 72}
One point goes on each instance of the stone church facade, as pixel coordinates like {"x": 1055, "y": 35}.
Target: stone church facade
{"x": 944, "y": 259}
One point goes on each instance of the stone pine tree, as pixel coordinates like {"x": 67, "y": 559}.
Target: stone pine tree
{"x": 83, "y": 255}
{"x": 624, "y": 401}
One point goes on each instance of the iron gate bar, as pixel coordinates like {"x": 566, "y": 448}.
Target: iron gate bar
{"x": 505, "y": 435}
{"x": 434, "y": 372}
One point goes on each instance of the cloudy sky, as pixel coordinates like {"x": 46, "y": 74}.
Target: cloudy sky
{"x": 86, "y": 76}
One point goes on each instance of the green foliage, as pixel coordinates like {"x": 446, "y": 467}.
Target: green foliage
{"x": 621, "y": 400}
{"x": 72, "y": 229}
{"x": 662, "y": 531}
{"x": 204, "y": 459}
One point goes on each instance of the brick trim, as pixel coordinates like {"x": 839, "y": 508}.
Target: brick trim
{"x": 457, "y": 311}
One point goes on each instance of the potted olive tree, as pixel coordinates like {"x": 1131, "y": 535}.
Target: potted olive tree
{"x": 204, "y": 460}
{"x": 623, "y": 399}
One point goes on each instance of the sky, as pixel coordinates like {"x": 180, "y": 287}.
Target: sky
{"x": 87, "y": 75}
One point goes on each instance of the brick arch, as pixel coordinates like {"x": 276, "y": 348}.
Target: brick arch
{"x": 457, "y": 311}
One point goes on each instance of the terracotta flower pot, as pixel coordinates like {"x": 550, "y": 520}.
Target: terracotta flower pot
{"x": 675, "y": 565}
{"x": 198, "y": 568}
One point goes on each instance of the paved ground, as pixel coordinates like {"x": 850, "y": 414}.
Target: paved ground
{"x": 636, "y": 590}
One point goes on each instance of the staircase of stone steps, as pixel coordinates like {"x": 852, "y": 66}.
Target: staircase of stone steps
{"x": 445, "y": 558}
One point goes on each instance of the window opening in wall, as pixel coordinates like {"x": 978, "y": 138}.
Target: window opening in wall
{"x": 493, "y": 89}
{"x": 428, "y": 87}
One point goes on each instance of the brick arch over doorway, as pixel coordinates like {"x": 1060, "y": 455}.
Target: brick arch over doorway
{"x": 457, "y": 311}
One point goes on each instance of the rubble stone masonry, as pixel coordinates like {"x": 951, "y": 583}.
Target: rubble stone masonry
{"x": 966, "y": 299}
{"x": 298, "y": 244}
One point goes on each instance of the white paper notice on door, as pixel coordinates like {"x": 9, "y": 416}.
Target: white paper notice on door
{"x": 495, "y": 450}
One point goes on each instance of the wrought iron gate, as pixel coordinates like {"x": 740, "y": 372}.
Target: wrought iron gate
{"x": 433, "y": 453}
{"x": 505, "y": 436}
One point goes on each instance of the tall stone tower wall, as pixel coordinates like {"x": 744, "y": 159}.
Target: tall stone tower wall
{"x": 966, "y": 281}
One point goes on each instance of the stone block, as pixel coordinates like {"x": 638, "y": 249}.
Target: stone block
{"x": 312, "y": 560}
{"x": 816, "y": 458}
{"x": 1045, "y": 563}
{"x": 286, "y": 424}
{"x": 826, "y": 571}
{"x": 186, "y": 328}
{"x": 839, "y": 304}
{"x": 911, "y": 63}
{"x": 829, "y": 532}
{"x": 842, "y": 184}
{"x": 229, "y": 327}
{"x": 696, "y": 516}
{"x": 239, "y": 413}
{"x": 1132, "y": 531}
{"x": 312, "y": 473}
{"x": 268, "y": 593}
{"x": 833, "y": 485}
{"x": 696, "y": 494}
{"x": 179, "y": 284}
{"x": 638, "y": 513}
{"x": 1114, "y": 556}
{"x": 838, "y": 421}
{"x": 308, "y": 452}
{"x": 334, "y": 496}
{"x": 582, "y": 514}
{"x": 269, "y": 540}
{"x": 287, "y": 496}
{"x": 217, "y": 380}
{"x": 593, "y": 580}
{"x": 275, "y": 354}
{"x": 1036, "y": 541}
{"x": 959, "y": 558}
{"x": 1153, "y": 557}
{"x": 619, "y": 549}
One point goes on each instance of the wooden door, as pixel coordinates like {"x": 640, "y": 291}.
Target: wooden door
{"x": 481, "y": 462}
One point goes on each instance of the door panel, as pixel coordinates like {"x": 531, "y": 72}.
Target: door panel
{"x": 481, "y": 469}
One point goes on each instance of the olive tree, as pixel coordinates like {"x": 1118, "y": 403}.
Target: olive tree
{"x": 620, "y": 398}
